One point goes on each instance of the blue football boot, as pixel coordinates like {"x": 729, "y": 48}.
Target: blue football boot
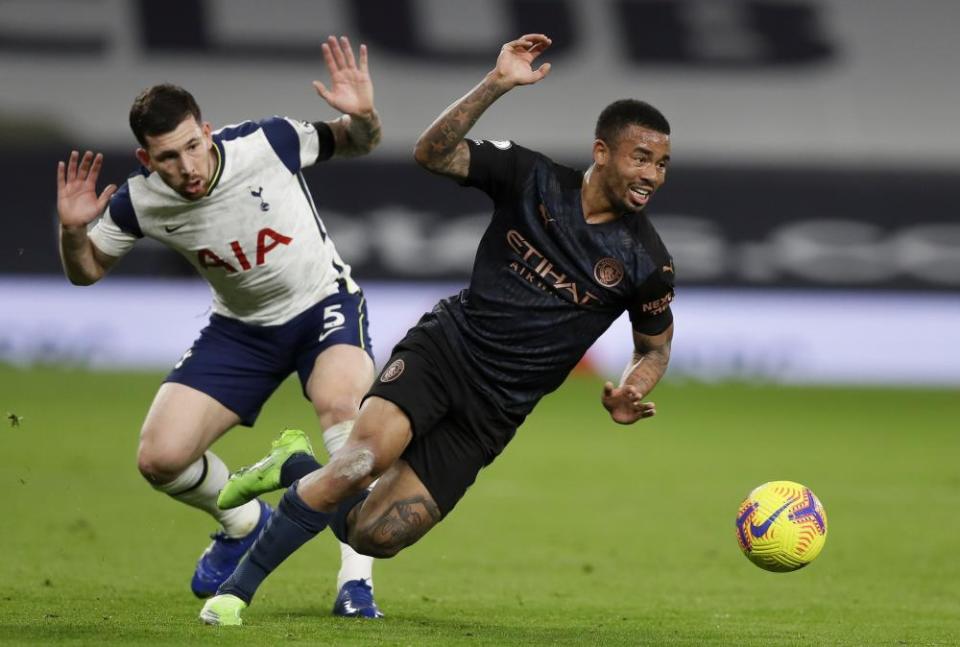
{"x": 356, "y": 601}
{"x": 223, "y": 555}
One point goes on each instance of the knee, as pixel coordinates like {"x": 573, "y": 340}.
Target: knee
{"x": 336, "y": 408}
{"x": 349, "y": 472}
{"x": 160, "y": 465}
{"x": 356, "y": 465}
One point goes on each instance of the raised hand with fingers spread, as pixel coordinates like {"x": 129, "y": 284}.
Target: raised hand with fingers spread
{"x": 515, "y": 62}
{"x": 350, "y": 92}
{"x": 441, "y": 148}
{"x": 78, "y": 205}
{"x": 77, "y": 201}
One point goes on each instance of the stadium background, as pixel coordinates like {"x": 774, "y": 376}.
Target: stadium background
{"x": 811, "y": 210}
{"x": 812, "y": 195}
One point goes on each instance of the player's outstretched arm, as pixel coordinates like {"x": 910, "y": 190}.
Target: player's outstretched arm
{"x": 441, "y": 148}
{"x": 78, "y": 205}
{"x": 650, "y": 358}
{"x": 357, "y": 132}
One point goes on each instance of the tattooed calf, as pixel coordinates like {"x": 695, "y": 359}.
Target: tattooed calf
{"x": 401, "y": 525}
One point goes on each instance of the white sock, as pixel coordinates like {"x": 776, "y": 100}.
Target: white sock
{"x": 199, "y": 485}
{"x": 335, "y": 436}
{"x": 353, "y": 565}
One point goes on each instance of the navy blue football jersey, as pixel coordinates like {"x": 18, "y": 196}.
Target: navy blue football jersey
{"x": 545, "y": 283}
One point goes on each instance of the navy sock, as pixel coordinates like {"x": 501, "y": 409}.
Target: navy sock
{"x": 296, "y": 467}
{"x": 338, "y": 521}
{"x": 292, "y": 525}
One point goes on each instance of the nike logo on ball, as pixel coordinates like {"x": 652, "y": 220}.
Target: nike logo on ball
{"x": 170, "y": 229}
{"x": 759, "y": 531}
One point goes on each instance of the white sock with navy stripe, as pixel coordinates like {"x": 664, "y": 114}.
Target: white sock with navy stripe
{"x": 200, "y": 484}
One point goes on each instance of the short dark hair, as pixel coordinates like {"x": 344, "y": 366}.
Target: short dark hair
{"x": 626, "y": 112}
{"x": 160, "y": 109}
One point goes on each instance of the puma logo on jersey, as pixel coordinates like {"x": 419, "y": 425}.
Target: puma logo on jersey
{"x": 545, "y": 215}
{"x": 264, "y": 206}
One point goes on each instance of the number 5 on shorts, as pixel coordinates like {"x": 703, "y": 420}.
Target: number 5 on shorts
{"x": 333, "y": 320}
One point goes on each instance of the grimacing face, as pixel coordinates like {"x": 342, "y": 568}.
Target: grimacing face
{"x": 183, "y": 157}
{"x": 634, "y": 168}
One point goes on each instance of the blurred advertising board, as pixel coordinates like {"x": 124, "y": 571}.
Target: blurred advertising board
{"x": 743, "y": 226}
{"x": 797, "y": 336}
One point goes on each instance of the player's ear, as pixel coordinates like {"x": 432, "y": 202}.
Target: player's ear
{"x": 207, "y": 129}
{"x": 601, "y": 152}
{"x": 144, "y": 158}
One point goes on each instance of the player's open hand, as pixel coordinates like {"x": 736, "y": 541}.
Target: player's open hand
{"x": 625, "y": 404}
{"x": 350, "y": 91}
{"x": 515, "y": 62}
{"x": 77, "y": 201}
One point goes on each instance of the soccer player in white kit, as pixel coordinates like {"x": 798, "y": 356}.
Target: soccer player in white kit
{"x": 234, "y": 203}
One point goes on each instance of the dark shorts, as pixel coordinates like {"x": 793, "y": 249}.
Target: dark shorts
{"x": 457, "y": 430}
{"x": 241, "y": 365}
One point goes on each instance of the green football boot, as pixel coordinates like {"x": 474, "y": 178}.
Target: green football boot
{"x": 247, "y": 483}
{"x": 223, "y": 611}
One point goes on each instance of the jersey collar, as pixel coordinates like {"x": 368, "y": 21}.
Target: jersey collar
{"x": 215, "y": 180}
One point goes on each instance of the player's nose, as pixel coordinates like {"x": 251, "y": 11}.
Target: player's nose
{"x": 649, "y": 172}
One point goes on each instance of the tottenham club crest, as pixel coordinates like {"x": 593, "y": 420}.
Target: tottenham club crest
{"x": 393, "y": 371}
{"x": 608, "y": 272}
{"x": 264, "y": 205}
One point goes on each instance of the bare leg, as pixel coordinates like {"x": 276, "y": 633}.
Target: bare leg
{"x": 341, "y": 375}
{"x": 180, "y": 426}
{"x": 378, "y": 438}
{"x": 398, "y": 512}
{"x": 380, "y": 435}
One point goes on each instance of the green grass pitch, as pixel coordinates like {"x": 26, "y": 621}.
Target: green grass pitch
{"x": 582, "y": 533}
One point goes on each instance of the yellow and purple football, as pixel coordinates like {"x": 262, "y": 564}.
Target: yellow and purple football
{"x": 781, "y": 526}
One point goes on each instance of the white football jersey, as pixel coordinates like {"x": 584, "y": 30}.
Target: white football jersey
{"x": 255, "y": 237}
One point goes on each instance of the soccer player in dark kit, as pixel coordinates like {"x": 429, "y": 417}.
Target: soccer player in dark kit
{"x": 566, "y": 253}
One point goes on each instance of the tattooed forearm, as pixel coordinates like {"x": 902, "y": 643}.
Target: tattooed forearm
{"x": 355, "y": 135}
{"x": 647, "y": 369}
{"x": 651, "y": 355}
{"x": 441, "y": 148}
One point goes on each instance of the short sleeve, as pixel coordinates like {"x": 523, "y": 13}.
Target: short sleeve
{"x": 107, "y": 236}
{"x": 498, "y": 168}
{"x": 650, "y": 313}
{"x": 296, "y": 143}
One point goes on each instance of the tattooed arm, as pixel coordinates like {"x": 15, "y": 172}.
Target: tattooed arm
{"x": 651, "y": 355}
{"x": 355, "y": 135}
{"x": 441, "y": 148}
{"x": 351, "y": 92}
